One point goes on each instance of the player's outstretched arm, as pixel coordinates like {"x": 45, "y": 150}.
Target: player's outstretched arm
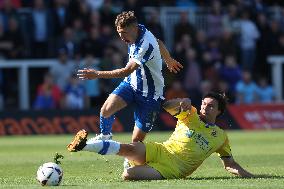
{"x": 117, "y": 73}
{"x": 233, "y": 167}
{"x": 175, "y": 106}
{"x": 172, "y": 64}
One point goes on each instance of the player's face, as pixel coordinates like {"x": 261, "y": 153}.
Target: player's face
{"x": 209, "y": 109}
{"x": 127, "y": 34}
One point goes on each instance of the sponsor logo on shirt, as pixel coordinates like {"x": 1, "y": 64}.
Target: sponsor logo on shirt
{"x": 214, "y": 133}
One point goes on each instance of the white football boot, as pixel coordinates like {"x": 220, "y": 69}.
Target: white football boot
{"x": 102, "y": 137}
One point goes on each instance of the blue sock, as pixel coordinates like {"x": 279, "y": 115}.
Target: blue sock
{"x": 106, "y": 124}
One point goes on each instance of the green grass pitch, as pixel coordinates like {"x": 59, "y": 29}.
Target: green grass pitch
{"x": 260, "y": 152}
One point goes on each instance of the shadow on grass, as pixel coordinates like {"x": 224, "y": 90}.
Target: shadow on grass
{"x": 224, "y": 178}
{"x": 66, "y": 185}
{"x": 216, "y": 178}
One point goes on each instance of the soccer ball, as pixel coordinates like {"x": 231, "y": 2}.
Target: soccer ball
{"x": 49, "y": 174}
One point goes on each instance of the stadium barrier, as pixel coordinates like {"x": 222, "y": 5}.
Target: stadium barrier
{"x": 29, "y": 122}
{"x": 55, "y": 122}
{"x": 258, "y": 116}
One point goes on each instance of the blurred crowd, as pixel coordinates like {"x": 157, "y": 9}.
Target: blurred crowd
{"x": 230, "y": 55}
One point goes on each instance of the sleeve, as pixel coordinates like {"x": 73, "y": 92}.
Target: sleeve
{"x": 225, "y": 149}
{"x": 187, "y": 115}
{"x": 143, "y": 53}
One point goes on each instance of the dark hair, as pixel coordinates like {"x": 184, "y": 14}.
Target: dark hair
{"x": 125, "y": 19}
{"x": 221, "y": 99}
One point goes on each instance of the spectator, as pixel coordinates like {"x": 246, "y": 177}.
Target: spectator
{"x": 61, "y": 16}
{"x": 79, "y": 33}
{"x": 185, "y": 3}
{"x": 41, "y": 30}
{"x": 154, "y": 25}
{"x": 44, "y": 100}
{"x": 63, "y": 69}
{"x": 181, "y": 47}
{"x": 94, "y": 20}
{"x": 107, "y": 14}
{"x": 14, "y": 37}
{"x": 107, "y": 64}
{"x": 15, "y": 3}
{"x": 214, "y": 50}
{"x": 228, "y": 45}
{"x": 224, "y": 87}
{"x": 205, "y": 87}
{"x": 93, "y": 44}
{"x": 175, "y": 90}
{"x": 265, "y": 92}
{"x": 95, "y": 5}
{"x": 214, "y": 20}
{"x": 75, "y": 94}
{"x": 209, "y": 68}
{"x": 7, "y": 12}
{"x": 249, "y": 35}
{"x": 184, "y": 27}
{"x": 201, "y": 43}
{"x": 93, "y": 88}
{"x": 6, "y": 45}
{"x": 67, "y": 42}
{"x": 280, "y": 45}
{"x": 258, "y": 6}
{"x": 231, "y": 21}
{"x": 79, "y": 10}
{"x": 117, "y": 63}
{"x": 107, "y": 34}
{"x": 1, "y": 91}
{"x": 273, "y": 39}
{"x": 230, "y": 72}
{"x": 48, "y": 93}
{"x": 246, "y": 89}
{"x": 192, "y": 76}
{"x": 262, "y": 44}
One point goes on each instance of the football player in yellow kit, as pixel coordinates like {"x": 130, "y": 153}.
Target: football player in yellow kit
{"x": 195, "y": 138}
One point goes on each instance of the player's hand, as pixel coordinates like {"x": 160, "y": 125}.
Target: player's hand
{"x": 87, "y": 74}
{"x": 185, "y": 104}
{"x": 173, "y": 65}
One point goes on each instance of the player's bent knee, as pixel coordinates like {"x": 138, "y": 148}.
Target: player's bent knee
{"x": 106, "y": 111}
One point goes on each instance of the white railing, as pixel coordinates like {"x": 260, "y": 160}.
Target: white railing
{"x": 277, "y": 74}
{"x": 23, "y": 73}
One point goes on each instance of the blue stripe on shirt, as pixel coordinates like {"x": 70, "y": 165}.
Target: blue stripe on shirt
{"x": 150, "y": 82}
{"x": 147, "y": 54}
{"x": 141, "y": 32}
{"x": 137, "y": 47}
{"x": 139, "y": 79}
{"x": 145, "y": 59}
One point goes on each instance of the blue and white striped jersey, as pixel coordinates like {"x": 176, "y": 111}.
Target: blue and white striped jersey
{"x": 147, "y": 78}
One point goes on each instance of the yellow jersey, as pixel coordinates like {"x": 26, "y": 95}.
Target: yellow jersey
{"x": 188, "y": 146}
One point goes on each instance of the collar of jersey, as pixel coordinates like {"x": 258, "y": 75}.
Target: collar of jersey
{"x": 141, "y": 32}
{"x": 207, "y": 125}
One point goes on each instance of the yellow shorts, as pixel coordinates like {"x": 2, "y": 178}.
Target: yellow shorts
{"x": 158, "y": 157}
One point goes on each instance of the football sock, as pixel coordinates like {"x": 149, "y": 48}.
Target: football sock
{"x": 106, "y": 147}
{"x": 106, "y": 124}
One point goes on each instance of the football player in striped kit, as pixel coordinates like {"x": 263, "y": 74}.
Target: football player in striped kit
{"x": 143, "y": 84}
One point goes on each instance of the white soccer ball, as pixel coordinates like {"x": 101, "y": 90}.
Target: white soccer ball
{"x": 49, "y": 174}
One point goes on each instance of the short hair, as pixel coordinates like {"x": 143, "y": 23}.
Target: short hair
{"x": 221, "y": 99}
{"x": 125, "y": 19}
